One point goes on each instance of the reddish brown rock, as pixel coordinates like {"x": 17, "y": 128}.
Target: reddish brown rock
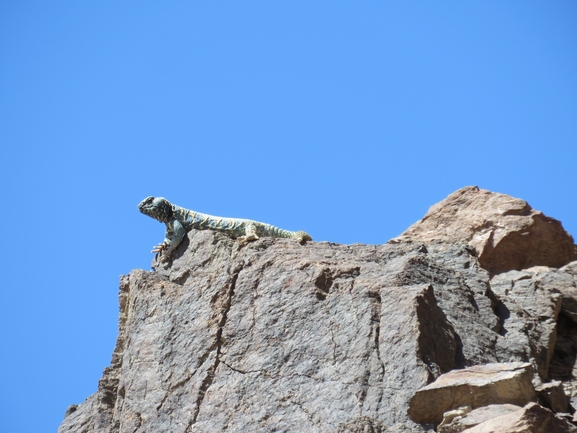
{"x": 506, "y": 233}
{"x": 531, "y": 419}
{"x": 477, "y": 386}
{"x": 457, "y": 421}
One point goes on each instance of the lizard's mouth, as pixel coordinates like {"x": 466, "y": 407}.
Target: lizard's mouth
{"x": 146, "y": 204}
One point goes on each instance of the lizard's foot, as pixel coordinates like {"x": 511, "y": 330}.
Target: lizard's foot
{"x": 302, "y": 237}
{"x": 164, "y": 257}
{"x": 161, "y": 251}
{"x": 158, "y": 248}
{"x": 249, "y": 234}
{"x": 248, "y": 238}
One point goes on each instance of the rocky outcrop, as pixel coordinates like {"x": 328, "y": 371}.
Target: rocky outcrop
{"x": 553, "y": 395}
{"x": 473, "y": 387}
{"x": 277, "y": 336}
{"x": 529, "y": 309}
{"x": 505, "y": 232}
{"x": 463, "y": 418}
{"x": 530, "y": 419}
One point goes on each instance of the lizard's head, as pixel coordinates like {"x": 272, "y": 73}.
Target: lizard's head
{"x": 158, "y": 208}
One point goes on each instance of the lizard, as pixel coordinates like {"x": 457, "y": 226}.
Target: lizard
{"x": 180, "y": 221}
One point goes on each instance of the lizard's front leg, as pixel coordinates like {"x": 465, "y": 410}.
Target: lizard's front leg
{"x": 173, "y": 237}
{"x": 249, "y": 233}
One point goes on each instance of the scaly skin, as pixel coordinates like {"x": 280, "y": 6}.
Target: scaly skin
{"x": 179, "y": 221}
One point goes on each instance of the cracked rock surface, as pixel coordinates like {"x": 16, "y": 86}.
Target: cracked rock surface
{"x": 275, "y": 336}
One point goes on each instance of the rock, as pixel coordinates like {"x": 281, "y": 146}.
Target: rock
{"x": 505, "y": 232}
{"x": 528, "y": 309}
{"x": 362, "y": 424}
{"x": 456, "y": 423}
{"x": 565, "y": 280}
{"x": 91, "y": 416}
{"x": 552, "y": 395}
{"x": 530, "y": 419}
{"x": 563, "y": 366}
{"x": 449, "y": 416}
{"x": 277, "y": 336}
{"x": 536, "y": 310}
{"x": 462, "y": 290}
{"x": 475, "y": 387}
{"x": 71, "y": 409}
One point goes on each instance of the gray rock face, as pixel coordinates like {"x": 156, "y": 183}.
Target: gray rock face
{"x": 552, "y": 395}
{"x": 277, "y": 336}
{"x": 529, "y": 309}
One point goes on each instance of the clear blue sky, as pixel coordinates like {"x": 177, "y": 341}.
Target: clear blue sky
{"x": 344, "y": 119}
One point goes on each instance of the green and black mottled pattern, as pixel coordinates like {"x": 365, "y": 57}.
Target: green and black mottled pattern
{"x": 158, "y": 208}
{"x": 179, "y": 221}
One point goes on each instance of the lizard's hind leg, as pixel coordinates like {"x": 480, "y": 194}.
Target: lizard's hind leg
{"x": 249, "y": 233}
{"x": 302, "y": 237}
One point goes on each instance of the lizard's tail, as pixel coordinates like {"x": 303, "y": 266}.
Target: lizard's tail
{"x": 280, "y": 233}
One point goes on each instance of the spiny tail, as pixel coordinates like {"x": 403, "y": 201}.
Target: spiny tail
{"x": 275, "y": 232}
